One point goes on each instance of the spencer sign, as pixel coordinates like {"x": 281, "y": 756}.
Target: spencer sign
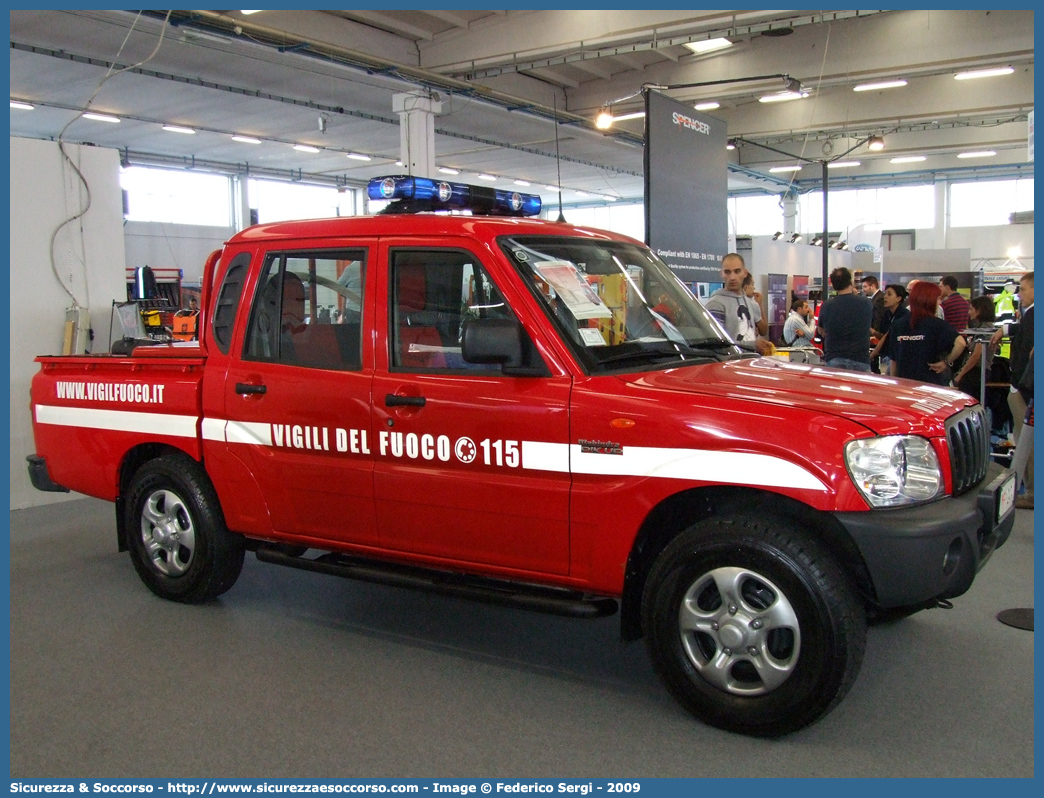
{"x": 686, "y": 188}
{"x": 692, "y": 124}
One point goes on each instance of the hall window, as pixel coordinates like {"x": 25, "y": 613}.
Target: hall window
{"x": 989, "y": 202}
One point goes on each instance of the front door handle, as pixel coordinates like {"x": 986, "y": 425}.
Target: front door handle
{"x": 246, "y": 388}
{"x": 394, "y": 400}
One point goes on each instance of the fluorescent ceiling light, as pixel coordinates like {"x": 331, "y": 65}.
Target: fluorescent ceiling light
{"x": 447, "y": 171}
{"x": 885, "y": 84}
{"x": 552, "y": 188}
{"x": 305, "y": 148}
{"x": 248, "y": 13}
{"x": 581, "y": 193}
{"x": 398, "y": 163}
{"x": 101, "y": 117}
{"x": 983, "y": 73}
{"x": 708, "y": 45}
{"x": 625, "y": 117}
{"x": 709, "y": 106}
{"x": 609, "y": 198}
{"x": 841, "y": 164}
{"x": 358, "y": 156}
{"x": 908, "y": 159}
{"x": 523, "y": 183}
{"x": 178, "y": 129}
{"x": 246, "y": 139}
{"x": 487, "y": 177}
{"x": 785, "y": 169}
{"x": 977, "y": 154}
{"x": 22, "y": 106}
{"x": 783, "y": 96}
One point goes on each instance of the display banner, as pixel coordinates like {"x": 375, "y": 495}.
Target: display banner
{"x": 778, "y": 309}
{"x": 866, "y": 238}
{"x": 686, "y": 188}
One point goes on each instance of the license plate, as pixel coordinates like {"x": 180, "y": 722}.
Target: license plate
{"x": 1006, "y": 498}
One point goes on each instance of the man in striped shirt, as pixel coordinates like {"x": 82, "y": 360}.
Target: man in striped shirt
{"x": 954, "y": 306}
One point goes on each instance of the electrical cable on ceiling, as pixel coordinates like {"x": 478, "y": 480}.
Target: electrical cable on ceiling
{"x": 68, "y": 160}
{"x": 808, "y": 130}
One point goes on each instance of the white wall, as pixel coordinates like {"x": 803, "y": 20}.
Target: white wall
{"x": 927, "y": 261}
{"x": 173, "y": 246}
{"x": 989, "y": 243}
{"x": 782, "y": 257}
{"x": 89, "y": 258}
{"x": 992, "y": 243}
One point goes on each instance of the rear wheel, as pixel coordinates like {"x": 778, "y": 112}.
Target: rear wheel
{"x": 752, "y": 626}
{"x": 176, "y": 532}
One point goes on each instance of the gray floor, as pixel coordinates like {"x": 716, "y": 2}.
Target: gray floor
{"x": 293, "y": 674}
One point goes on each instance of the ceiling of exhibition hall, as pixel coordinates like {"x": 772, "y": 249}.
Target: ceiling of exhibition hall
{"x": 326, "y": 79}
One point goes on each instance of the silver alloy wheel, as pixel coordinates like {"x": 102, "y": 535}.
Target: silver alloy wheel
{"x": 739, "y": 631}
{"x": 167, "y": 532}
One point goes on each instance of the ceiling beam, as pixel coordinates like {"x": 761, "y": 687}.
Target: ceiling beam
{"x": 630, "y": 61}
{"x": 379, "y": 20}
{"x": 593, "y": 68}
{"x": 449, "y": 16}
{"x": 556, "y": 77}
{"x": 652, "y": 38}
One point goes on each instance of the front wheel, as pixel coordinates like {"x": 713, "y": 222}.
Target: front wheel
{"x": 752, "y": 626}
{"x": 176, "y": 532}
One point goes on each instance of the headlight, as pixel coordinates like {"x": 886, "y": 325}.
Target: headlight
{"x": 894, "y": 470}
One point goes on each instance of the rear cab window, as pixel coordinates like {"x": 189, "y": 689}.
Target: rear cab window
{"x": 308, "y": 309}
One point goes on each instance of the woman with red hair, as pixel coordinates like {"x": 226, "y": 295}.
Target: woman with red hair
{"x": 922, "y": 346}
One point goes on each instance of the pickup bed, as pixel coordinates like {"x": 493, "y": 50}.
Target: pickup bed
{"x": 534, "y": 414}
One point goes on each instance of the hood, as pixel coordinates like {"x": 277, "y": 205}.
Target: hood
{"x": 885, "y": 405}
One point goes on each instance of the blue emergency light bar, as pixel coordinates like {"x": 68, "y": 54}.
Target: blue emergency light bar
{"x": 414, "y": 194}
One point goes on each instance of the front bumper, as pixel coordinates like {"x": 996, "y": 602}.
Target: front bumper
{"x": 919, "y": 554}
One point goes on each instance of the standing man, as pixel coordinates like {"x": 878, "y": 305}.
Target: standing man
{"x": 731, "y": 306}
{"x": 797, "y": 330}
{"x": 954, "y": 306}
{"x": 755, "y": 297}
{"x": 872, "y": 290}
{"x": 1021, "y": 358}
{"x": 844, "y": 322}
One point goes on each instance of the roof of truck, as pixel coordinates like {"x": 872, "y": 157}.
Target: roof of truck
{"x": 422, "y": 224}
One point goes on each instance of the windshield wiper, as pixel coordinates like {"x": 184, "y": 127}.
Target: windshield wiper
{"x": 715, "y": 343}
{"x": 659, "y": 354}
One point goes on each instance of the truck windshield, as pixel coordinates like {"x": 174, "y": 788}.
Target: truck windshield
{"x": 617, "y": 304}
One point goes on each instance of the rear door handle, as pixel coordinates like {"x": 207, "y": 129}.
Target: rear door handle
{"x": 246, "y": 388}
{"x": 394, "y": 400}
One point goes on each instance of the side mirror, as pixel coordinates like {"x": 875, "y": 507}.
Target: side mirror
{"x": 501, "y": 342}
{"x": 492, "y": 341}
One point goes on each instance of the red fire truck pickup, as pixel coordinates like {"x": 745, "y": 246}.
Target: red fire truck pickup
{"x": 535, "y": 414}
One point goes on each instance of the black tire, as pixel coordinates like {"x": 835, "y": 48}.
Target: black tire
{"x": 752, "y": 626}
{"x": 176, "y": 532}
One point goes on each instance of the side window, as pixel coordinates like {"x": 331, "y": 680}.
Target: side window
{"x": 433, "y": 293}
{"x": 308, "y": 310}
{"x": 228, "y": 301}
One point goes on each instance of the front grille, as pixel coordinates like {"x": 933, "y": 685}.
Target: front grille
{"x": 969, "y": 439}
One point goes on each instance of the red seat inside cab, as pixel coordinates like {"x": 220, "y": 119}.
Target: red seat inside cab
{"x": 419, "y": 342}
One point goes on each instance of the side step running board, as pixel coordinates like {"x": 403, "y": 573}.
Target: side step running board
{"x": 554, "y": 601}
